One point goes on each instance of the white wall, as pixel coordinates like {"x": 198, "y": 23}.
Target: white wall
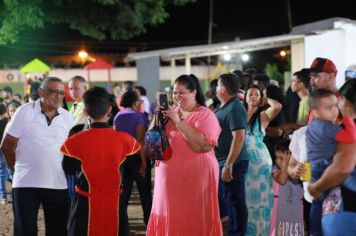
{"x": 330, "y": 44}
{"x": 350, "y": 49}
{"x": 117, "y": 74}
{"x": 339, "y": 45}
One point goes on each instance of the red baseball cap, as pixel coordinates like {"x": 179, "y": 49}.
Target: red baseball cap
{"x": 323, "y": 65}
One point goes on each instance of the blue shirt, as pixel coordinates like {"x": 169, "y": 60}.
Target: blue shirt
{"x": 321, "y": 140}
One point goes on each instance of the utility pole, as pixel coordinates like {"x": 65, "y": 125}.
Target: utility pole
{"x": 210, "y": 30}
{"x": 211, "y": 9}
{"x": 289, "y": 14}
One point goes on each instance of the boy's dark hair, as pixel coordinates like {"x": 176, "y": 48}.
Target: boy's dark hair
{"x": 129, "y": 98}
{"x": 231, "y": 83}
{"x": 96, "y": 102}
{"x": 282, "y": 145}
{"x": 315, "y": 96}
{"x": 303, "y": 76}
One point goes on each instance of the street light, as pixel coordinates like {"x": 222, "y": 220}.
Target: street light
{"x": 83, "y": 54}
{"x": 245, "y": 57}
{"x": 227, "y": 57}
{"x": 282, "y": 53}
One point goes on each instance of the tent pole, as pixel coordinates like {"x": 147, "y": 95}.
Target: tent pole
{"x": 109, "y": 81}
{"x": 88, "y": 79}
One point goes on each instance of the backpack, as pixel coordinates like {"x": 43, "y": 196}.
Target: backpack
{"x": 156, "y": 142}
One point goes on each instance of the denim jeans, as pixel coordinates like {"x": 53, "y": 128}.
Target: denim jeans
{"x": 316, "y": 206}
{"x": 222, "y": 203}
{"x": 235, "y": 198}
{"x": 3, "y": 177}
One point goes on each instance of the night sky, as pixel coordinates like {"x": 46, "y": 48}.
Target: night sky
{"x": 187, "y": 25}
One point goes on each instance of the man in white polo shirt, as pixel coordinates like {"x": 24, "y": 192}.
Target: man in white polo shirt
{"x": 31, "y": 148}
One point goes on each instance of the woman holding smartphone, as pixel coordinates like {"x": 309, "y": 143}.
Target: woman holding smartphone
{"x": 185, "y": 194}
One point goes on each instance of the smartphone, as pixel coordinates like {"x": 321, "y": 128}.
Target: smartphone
{"x": 163, "y": 101}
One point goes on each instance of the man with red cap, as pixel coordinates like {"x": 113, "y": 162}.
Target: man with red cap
{"x": 323, "y": 74}
{"x": 322, "y": 130}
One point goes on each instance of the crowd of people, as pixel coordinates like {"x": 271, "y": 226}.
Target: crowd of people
{"x": 252, "y": 159}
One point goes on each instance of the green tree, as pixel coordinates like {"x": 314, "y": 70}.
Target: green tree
{"x": 273, "y": 72}
{"x": 99, "y": 19}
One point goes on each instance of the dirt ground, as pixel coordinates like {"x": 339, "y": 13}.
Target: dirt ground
{"x": 137, "y": 226}
{"x": 135, "y": 216}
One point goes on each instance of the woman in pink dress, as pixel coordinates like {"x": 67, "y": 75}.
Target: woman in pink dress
{"x": 185, "y": 199}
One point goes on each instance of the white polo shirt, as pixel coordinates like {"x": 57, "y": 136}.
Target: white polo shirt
{"x": 38, "y": 159}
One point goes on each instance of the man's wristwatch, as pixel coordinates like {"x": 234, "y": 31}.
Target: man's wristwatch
{"x": 227, "y": 166}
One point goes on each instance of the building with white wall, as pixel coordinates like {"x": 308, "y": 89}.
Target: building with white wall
{"x": 333, "y": 38}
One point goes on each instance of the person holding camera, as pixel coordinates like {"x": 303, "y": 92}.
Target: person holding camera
{"x": 186, "y": 185}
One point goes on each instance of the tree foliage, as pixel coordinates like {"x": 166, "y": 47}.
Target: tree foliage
{"x": 273, "y": 72}
{"x": 99, "y": 19}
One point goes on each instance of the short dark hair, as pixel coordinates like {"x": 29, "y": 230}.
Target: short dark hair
{"x": 129, "y": 98}
{"x": 231, "y": 83}
{"x": 262, "y": 77}
{"x": 242, "y": 78}
{"x": 128, "y": 84}
{"x": 142, "y": 90}
{"x": 276, "y": 93}
{"x": 96, "y": 102}
{"x": 303, "y": 76}
{"x": 282, "y": 145}
{"x": 315, "y": 97}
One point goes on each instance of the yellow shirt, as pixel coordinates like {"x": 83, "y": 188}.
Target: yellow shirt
{"x": 303, "y": 111}
{"x": 77, "y": 111}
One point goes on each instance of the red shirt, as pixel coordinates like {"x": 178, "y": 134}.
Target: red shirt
{"x": 101, "y": 151}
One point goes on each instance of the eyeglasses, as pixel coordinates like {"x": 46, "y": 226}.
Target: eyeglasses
{"x": 56, "y": 92}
